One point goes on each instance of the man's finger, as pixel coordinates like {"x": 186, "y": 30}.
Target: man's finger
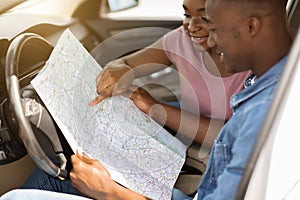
{"x": 80, "y": 154}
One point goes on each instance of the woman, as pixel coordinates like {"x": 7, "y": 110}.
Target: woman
{"x": 205, "y": 85}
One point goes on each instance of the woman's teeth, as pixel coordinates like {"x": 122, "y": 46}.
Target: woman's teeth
{"x": 199, "y": 39}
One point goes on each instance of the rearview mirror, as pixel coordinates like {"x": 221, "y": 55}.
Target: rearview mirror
{"x": 117, "y": 5}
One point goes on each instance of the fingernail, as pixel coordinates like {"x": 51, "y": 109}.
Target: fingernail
{"x": 79, "y": 150}
{"x": 92, "y": 103}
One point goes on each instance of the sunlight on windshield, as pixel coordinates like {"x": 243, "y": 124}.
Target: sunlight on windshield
{"x": 53, "y": 8}
{"x": 7, "y": 4}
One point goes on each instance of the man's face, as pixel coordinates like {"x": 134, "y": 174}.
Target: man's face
{"x": 226, "y": 30}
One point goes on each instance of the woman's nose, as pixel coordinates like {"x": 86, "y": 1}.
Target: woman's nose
{"x": 194, "y": 25}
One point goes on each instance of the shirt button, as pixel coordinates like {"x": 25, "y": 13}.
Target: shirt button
{"x": 234, "y": 98}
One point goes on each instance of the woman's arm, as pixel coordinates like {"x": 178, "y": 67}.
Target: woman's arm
{"x": 198, "y": 128}
{"x": 147, "y": 60}
{"x": 118, "y": 74}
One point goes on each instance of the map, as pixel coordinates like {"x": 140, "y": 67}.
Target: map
{"x": 138, "y": 152}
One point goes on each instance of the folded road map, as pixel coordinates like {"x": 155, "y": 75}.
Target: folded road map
{"x": 137, "y": 151}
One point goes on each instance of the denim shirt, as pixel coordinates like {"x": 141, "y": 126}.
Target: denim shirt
{"x": 234, "y": 144}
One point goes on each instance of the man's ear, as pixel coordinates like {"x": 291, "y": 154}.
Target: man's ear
{"x": 253, "y": 25}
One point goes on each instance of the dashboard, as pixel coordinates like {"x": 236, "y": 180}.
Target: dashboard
{"x": 51, "y": 33}
{"x": 34, "y": 54}
{"x": 47, "y": 18}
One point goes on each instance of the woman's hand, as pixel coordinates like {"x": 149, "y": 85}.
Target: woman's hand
{"x": 141, "y": 98}
{"x": 114, "y": 79}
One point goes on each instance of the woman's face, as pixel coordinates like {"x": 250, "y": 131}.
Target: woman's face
{"x": 195, "y": 23}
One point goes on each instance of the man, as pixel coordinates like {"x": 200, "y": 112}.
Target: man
{"x": 252, "y": 35}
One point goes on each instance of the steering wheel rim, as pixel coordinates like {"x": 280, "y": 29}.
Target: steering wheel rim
{"x": 26, "y": 133}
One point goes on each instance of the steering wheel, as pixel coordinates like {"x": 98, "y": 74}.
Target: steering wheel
{"x": 30, "y": 115}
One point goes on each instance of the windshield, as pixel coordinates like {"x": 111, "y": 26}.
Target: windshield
{"x": 8, "y": 4}
{"x": 54, "y": 8}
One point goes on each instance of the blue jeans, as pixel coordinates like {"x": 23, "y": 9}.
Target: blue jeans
{"x": 179, "y": 195}
{"x": 34, "y": 194}
{"x": 42, "y": 181}
{"x": 42, "y": 195}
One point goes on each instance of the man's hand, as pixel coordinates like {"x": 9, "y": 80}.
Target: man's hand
{"x": 90, "y": 177}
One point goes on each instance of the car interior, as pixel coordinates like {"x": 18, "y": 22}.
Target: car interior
{"x": 101, "y": 29}
{"x": 26, "y": 47}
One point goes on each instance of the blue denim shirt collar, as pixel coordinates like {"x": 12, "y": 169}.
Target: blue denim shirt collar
{"x": 267, "y": 79}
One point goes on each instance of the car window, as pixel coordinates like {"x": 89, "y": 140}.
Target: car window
{"x": 117, "y": 5}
